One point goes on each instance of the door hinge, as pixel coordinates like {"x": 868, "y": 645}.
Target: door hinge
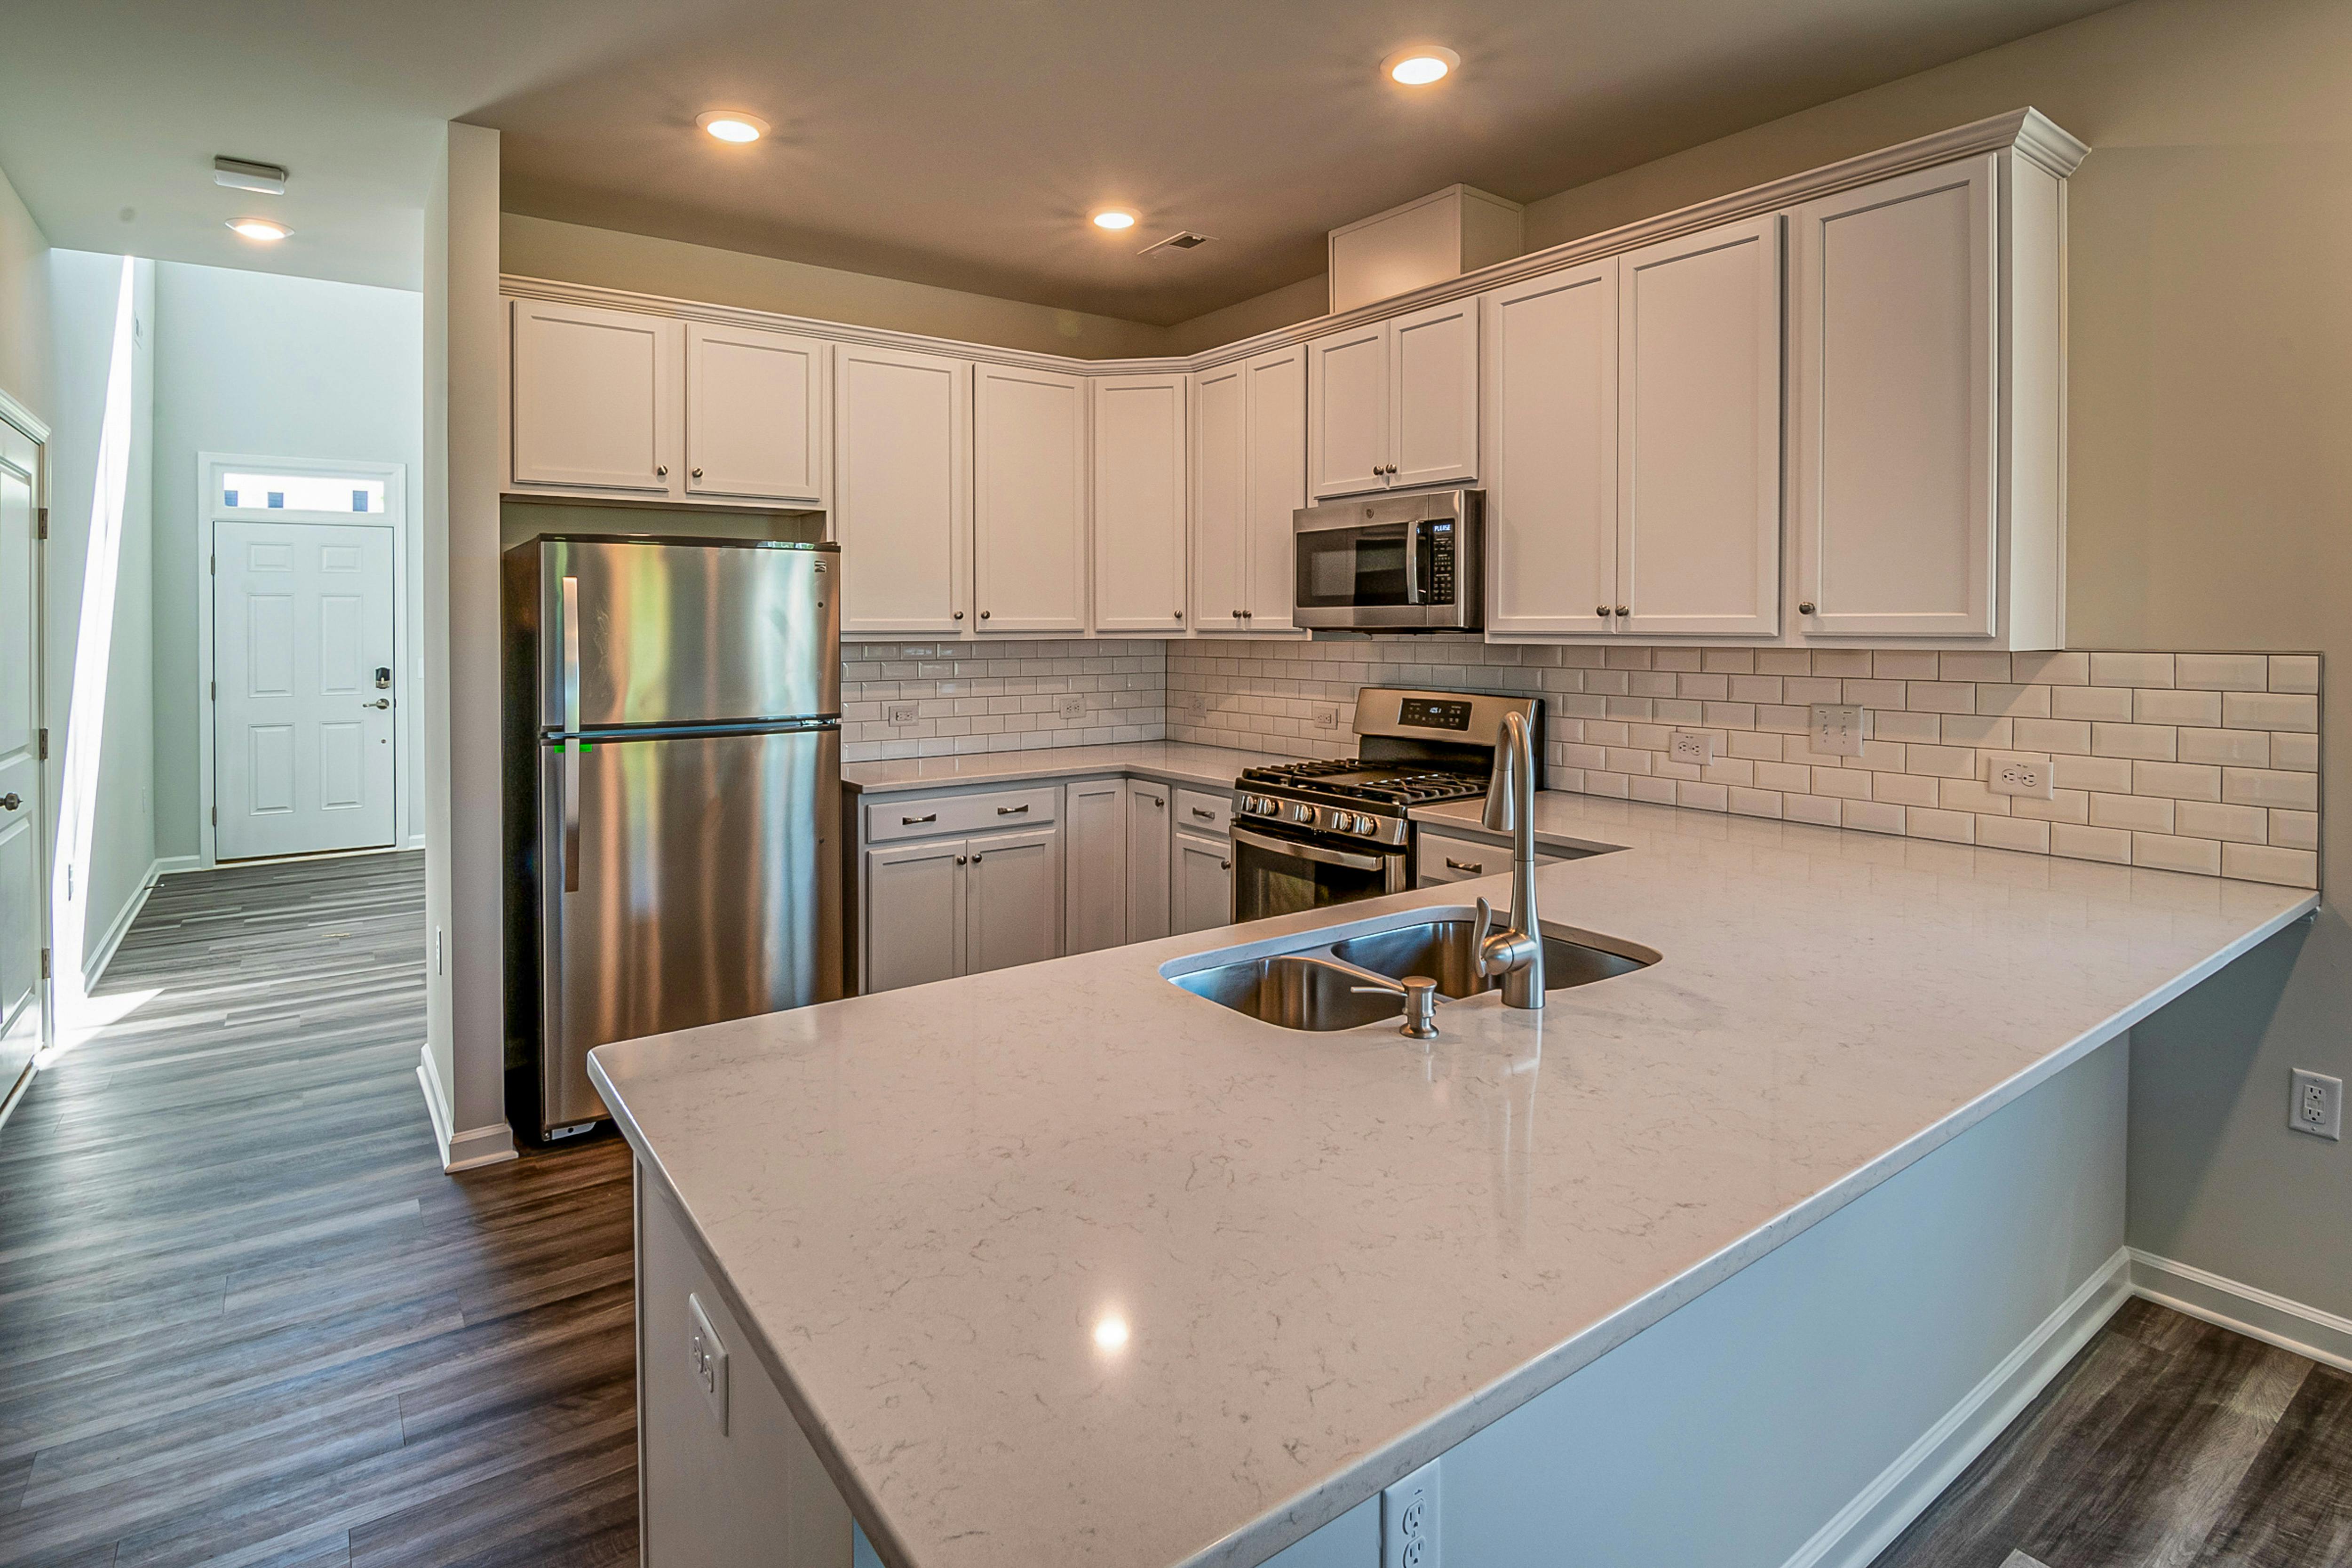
{"x": 44, "y": 963}
{"x": 217, "y": 816}
{"x": 44, "y": 745}
{"x": 212, "y": 564}
{"x": 41, "y": 523}
{"x": 212, "y": 690}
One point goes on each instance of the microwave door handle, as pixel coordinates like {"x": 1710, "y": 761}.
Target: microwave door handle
{"x": 1412, "y": 562}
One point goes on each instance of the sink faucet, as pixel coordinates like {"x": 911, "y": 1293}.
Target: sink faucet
{"x": 1516, "y": 954}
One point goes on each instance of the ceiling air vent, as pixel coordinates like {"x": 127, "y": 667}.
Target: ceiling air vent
{"x": 1183, "y": 239}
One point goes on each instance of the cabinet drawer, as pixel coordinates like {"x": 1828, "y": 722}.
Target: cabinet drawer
{"x": 923, "y": 816}
{"x": 1438, "y": 859}
{"x": 1197, "y": 811}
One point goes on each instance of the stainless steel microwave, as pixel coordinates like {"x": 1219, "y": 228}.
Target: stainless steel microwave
{"x": 1397, "y": 563}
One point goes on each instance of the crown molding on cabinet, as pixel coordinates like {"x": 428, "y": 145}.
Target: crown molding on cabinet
{"x": 2027, "y": 134}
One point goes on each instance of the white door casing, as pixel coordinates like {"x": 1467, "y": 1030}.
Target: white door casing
{"x": 302, "y": 623}
{"x": 24, "y": 870}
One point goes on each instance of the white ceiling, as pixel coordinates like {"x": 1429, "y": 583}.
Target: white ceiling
{"x": 953, "y": 141}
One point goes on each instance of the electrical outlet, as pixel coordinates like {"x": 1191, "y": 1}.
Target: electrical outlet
{"x": 2027, "y": 778}
{"x": 1696, "y": 747}
{"x": 1840, "y": 728}
{"x": 1409, "y": 1521}
{"x": 707, "y": 1359}
{"x": 2317, "y": 1104}
{"x": 1071, "y": 706}
{"x": 1326, "y": 715}
{"x": 898, "y": 713}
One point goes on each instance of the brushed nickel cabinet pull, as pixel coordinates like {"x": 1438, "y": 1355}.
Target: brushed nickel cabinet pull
{"x": 1011, "y": 810}
{"x": 1471, "y": 866}
{"x": 912, "y": 821}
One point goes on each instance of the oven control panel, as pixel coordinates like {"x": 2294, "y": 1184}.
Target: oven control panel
{"x": 1318, "y": 818}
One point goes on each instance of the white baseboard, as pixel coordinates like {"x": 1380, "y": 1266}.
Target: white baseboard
{"x": 1859, "y": 1532}
{"x": 2247, "y": 1309}
{"x": 463, "y": 1151}
{"x": 99, "y": 954}
{"x": 173, "y": 864}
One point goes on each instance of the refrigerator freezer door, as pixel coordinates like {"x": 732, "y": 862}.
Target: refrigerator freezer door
{"x": 706, "y": 885}
{"x": 649, "y": 633}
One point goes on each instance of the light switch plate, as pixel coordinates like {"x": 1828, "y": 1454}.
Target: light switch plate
{"x": 707, "y": 1359}
{"x": 1840, "y": 728}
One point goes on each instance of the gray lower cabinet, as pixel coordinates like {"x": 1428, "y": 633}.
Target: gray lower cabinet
{"x": 944, "y": 907}
{"x": 1200, "y": 895}
{"x": 1094, "y": 851}
{"x": 1147, "y": 859}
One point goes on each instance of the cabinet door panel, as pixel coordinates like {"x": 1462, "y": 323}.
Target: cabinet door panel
{"x": 914, "y": 914}
{"x": 1276, "y": 485}
{"x": 1698, "y": 461}
{"x": 1147, "y": 860}
{"x": 1552, "y": 452}
{"x": 1139, "y": 503}
{"x": 1433, "y": 358}
{"x": 1029, "y": 500}
{"x": 1892, "y": 317}
{"x": 1221, "y": 556}
{"x": 1347, "y": 417}
{"x": 1012, "y": 901}
{"x": 1203, "y": 893}
{"x": 902, "y": 478}
{"x": 594, "y": 398}
{"x": 1094, "y": 857}
{"x": 755, "y": 427}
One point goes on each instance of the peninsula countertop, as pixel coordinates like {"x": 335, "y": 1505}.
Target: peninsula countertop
{"x": 1171, "y": 762}
{"x": 1333, "y": 1256}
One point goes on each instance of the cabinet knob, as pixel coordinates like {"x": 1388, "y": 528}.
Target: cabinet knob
{"x": 983, "y": 615}
{"x": 959, "y": 615}
{"x": 1180, "y": 614}
{"x": 1805, "y": 609}
{"x": 1247, "y": 613}
{"x": 1623, "y": 610}
{"x": 1391, "y": 468}
{"x": 661, "y": 470}
{"x": 698, "y": 473}
{"x": 975, "y": 859}
{"x": 1237, "y": 615}
{"x": 1377, "y": 470}
{"x": 1601, "y": 610}
{"x": 1225, "y": 865}
{"x": 959, "y": 859}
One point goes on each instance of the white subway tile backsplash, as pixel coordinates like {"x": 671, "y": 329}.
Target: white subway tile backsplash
{"x": 2160, "y": 759}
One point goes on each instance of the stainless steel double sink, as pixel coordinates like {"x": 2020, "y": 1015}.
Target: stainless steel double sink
{"x": 1338, "y": 984}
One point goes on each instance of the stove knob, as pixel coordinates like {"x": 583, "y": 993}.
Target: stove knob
{"x": 1364, "y": 824}
{"x": 1303, "y": 814}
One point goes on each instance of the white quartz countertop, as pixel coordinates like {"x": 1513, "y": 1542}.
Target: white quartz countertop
{"x": 1174, "y": 761}
{"x": 1336, "y": 1255}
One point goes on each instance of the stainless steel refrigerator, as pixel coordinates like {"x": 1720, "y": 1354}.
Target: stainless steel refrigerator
{"x": 673, "y": 800}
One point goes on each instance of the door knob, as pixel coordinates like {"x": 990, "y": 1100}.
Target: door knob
{"x": 10, "y": 801}
{"x": 379, "y": 703}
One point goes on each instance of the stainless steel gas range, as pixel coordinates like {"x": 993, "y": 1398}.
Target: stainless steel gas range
{"x": 1309, "y": 834}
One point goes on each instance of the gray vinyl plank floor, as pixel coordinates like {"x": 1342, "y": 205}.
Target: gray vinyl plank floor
{"x": 246, "y": 1318}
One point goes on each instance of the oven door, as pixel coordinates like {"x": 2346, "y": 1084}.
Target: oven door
{"x": 1277, "y": 875}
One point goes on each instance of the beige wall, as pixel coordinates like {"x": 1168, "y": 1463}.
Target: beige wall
{"x": 542, "y": 247}
{"x": 26, "y": 372}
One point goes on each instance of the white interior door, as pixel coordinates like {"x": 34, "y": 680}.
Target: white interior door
{"x": 302, "y": 660}
{"x": 23, "y": 880}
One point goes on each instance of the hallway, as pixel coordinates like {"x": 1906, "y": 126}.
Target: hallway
{"x": 245, "y": 1319}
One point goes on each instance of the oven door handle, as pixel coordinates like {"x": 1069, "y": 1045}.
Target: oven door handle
{"x": 1303, "y": 852}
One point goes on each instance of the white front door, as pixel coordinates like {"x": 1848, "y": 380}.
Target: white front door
{"x": 302, "y": 656}
{"x": 23, "y": 881}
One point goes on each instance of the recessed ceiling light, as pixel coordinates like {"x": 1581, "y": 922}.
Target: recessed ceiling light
{"x": 732, "y": 125}
{"x": 1421, "y": 65}
{"x": 1114, "y": 218}
{"x": 260, "y": 228}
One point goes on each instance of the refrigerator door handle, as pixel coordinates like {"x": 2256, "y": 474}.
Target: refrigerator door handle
{"x": 571, "y": 655}
{"x": 571, "y": 745}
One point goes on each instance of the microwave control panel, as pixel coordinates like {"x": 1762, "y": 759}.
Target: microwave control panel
{"x": 1441, "y": 563}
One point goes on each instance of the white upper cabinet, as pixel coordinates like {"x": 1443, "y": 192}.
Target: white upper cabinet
{"x": 1433, "y": 381}
{"x": 1699, "y": 433}
{"x": 1249, "y": 475}
{"x": 902, "y": 490}
{"x": 1347, "y": 411}
{"x": 1029, "y": 500}
{"x": 755, "y": 416}
{"x": 1892, "y": 318}
{"x": 593, "y": 399}
{"x": 1141, "y": 510}
{"x": 1552, "y": 452}
{"x": 1394, "y": 403}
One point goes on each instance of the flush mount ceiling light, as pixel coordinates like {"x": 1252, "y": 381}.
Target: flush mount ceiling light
{"x": 260, "y": 228}
{"x": 732, "y": 125}
{"x": 1114, "y": 218}
{"x": 1421, "y": 65}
